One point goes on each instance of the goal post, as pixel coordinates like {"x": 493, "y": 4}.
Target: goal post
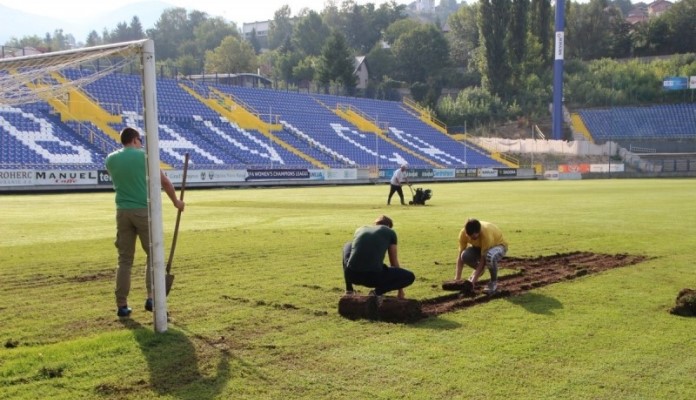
{"x": 36, "y": 78}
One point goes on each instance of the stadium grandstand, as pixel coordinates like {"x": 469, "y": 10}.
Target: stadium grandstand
{"x": 67, "y": 116}
{"x": 224, "y": 126}
{"x": 663, "y": 134}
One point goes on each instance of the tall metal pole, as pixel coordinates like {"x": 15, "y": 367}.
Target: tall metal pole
{"x": 558, "y": 71}
{"x": 155, "y": 187}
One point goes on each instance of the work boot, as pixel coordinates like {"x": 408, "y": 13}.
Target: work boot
{"x": 492, "y": 288}
{"x": 124, "y": 311}
{"x": 148, "y": 305}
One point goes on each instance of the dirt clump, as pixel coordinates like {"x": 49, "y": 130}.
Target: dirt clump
{"x": 686, "y": 303}
{"x": 380, "y": 308}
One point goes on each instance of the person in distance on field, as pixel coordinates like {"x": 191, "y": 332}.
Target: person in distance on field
{"x": 398, "y": 179}
{"x": 481, "y": 245}
{"x": 127, "y": 168}
{"x": 363, "y": 260}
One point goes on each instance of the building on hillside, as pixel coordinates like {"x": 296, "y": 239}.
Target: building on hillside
{"x": 422, "y": 6}
{"x": 637, "y": 15}
{"x": 261, "y": 28}
{"x": 361, "y": 72}
{"x": 642, "y": 12}
{"x": 659, "y": 7}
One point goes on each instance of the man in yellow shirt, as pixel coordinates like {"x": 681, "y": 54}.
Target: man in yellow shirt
{"x": 481, "y": 245}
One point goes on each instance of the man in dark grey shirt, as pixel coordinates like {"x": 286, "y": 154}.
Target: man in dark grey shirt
{"x": 363, "y": 260}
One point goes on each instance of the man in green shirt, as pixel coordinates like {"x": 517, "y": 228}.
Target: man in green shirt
{"x": 481, "y": 244}
{"x": 128, "y": 170}
{"x": 363, "y": 260}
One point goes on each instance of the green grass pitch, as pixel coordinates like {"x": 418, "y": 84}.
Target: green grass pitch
{"x": 258, "y": 278}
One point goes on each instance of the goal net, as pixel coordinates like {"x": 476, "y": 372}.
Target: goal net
{"x": 44, "y": 78}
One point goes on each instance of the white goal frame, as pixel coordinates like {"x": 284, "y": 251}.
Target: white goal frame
{"x": 14, "y": 90}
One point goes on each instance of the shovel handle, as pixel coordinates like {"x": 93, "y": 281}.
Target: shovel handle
{"x": 178, "y": 214}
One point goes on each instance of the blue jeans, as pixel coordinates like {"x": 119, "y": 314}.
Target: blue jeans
{"x": 386, "y": 280}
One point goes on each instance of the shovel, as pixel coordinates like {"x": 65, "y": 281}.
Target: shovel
{"x": 169, "y": 278}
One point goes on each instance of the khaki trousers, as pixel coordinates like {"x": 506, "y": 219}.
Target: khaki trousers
{"x": 131, "y": 224}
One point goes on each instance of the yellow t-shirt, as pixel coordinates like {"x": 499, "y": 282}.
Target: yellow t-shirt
{"x": 490, "y": 236}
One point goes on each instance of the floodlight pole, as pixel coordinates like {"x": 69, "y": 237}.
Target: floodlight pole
{"x": 155, "y": 186}
{"x": 557, "y": 111}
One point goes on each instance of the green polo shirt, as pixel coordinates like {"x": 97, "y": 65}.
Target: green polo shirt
{"x": 127, "y": 168}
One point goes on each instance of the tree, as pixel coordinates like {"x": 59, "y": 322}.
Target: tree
{"x": 169, "y": 31}
{"x": 305, "y": 70}
{"x": 210, "y": 32}
{"x": 589, "y": 31}
{"x": 136, "y": 29}
{"x": 624, "y": 6}
{"x": 127, "y": 33}
{"x": 309, "y": 34}
{"x": 421, "y": 53}
{"x": 187, "y": 65}
{"x": 254, "y": 41}
{"x": 517, "y": 34}
{"x": 93, "y": 39}
{"x": 362, "y": 25}
{"x": 381, "y": 62}
{"x": 398, "y": 28}
{"x": 681, "y": 19}
{"x": 464, "y": 35}
{"x": 336, "y": 62}
{"x": 540, "y": 25}
{"x": 620, "y": 45}
{"x": 280, "y": 28}
{"x": 232, "y": 56}
{"x": 493, "y": 24}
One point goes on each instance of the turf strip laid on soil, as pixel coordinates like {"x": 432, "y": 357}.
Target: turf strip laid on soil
{"x": 530, "y": 273}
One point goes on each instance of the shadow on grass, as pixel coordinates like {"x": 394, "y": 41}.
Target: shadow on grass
{"x": 175, "y": 367}
{"x": 437, "y": 323}
{"x": 536, "y": 303}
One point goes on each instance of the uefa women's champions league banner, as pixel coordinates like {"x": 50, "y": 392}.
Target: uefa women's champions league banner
{"x": 246, "y": 175}
{"x": 31, "y": 177}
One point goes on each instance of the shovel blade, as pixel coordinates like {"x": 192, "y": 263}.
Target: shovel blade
{"x": 169, "y": 281}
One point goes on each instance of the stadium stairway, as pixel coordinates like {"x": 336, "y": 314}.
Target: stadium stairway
{"x": 247, "y": 118}
{"x": 364, "y": 122}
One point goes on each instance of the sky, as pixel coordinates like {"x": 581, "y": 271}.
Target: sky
{"x": 237, "y": 11}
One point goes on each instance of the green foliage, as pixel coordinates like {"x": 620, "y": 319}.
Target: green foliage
{"x": 188, "y": 65}
{"x": 540, "y": 26}
{"x": 232, "y": 56}
{"x": 210, "y": 33}
{"x": 381, "y": 63}
{"x": 309, "y": 34}
{"x": 464, "y": 35}
{"x": 611, "y": 83}
{"x": 362, "y": 24}
{"x": 474, "y": 107}
{"x": 398, "y": 28}
{"x": 253, "y": 307}
{"x": 494, "y": 17}
{"x": 305, "y": 70}
{"x": 421, "y": 53}
{"x": 337, "y": 63}
{"x": 280, "y": 28}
